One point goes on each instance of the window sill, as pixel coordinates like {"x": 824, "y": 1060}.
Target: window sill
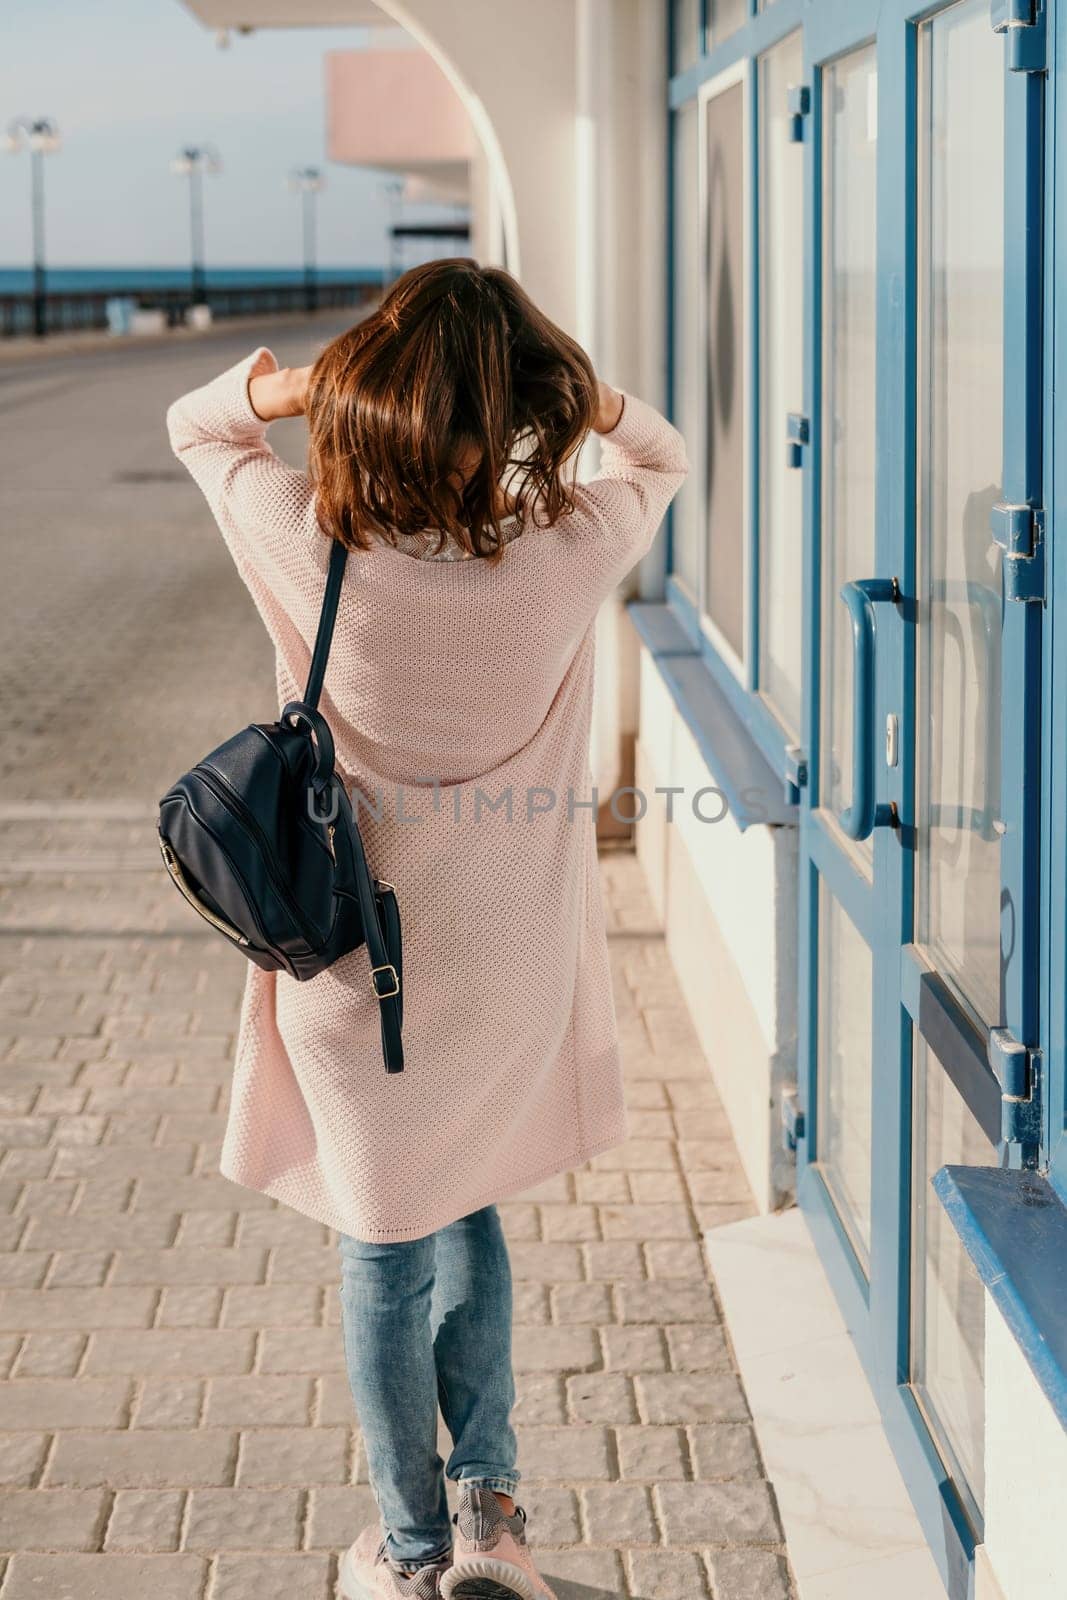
{"x": 1013, "y": 1225}
{"x": 753, "y": 790}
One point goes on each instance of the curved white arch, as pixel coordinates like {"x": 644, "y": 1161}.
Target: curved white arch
{"x": 404, "y": 15}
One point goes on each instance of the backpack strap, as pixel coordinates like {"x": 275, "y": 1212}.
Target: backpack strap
{"x": 327, "y": 617}
{"x": 392, "y": 1005}
{"x": 377, "y": 901}
{"x": 381, "y": 926}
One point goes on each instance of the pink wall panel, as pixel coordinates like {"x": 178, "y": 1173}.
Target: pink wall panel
{"x": 391, "y": 106}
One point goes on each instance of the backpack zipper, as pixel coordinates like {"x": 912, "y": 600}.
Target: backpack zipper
{"x": 185, "y": 888}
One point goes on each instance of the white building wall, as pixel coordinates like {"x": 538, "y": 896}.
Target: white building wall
{"x": 581, "y": 206}
{"x": 514, "y": 66}
{"x": 1026, "y": 1475}
{"x": 621, "y": 221}
{"x": 728, "y": 901}
{"x": 487, "y": 230}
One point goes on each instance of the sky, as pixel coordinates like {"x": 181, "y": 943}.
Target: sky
{"x": 131, "y": 81}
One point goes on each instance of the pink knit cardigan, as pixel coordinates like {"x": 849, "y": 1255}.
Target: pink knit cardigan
{"x": 460, "y": 697}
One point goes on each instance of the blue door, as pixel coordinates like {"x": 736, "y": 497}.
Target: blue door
{"x": 843, "y": 866}
{"x": 919, "y": 869}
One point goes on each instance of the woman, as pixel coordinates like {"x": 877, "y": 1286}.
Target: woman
{"x": 443, "y": 431}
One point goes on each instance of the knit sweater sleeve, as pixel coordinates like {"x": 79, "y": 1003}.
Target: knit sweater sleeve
{"x": 643, "y": 464}
{"x": 264, "y": 508}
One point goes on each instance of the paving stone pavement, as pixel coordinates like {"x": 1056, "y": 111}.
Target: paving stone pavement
{"x": 175, "y": 1420}
{"x": 174, "y": 1417}
{"x": 129, "y": 644}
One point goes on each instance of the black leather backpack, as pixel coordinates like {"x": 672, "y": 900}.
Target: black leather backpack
{"x": 261, "y": 840}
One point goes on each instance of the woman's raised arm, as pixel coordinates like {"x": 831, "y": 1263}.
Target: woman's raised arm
{"x": 610, "y": 407}
{"x": 274, "y": 391}
{"x": 264, "y": 507}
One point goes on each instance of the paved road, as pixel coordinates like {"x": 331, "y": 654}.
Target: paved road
{"x": 174, "y": 1420}
{"x": 129, "y": 645}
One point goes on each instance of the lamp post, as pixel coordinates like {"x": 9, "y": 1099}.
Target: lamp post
{"x": 393, "y": 190}
{"x": 307, "y": 182}
{"x": 41, "y": 136}
{"x": 192, "y": 163}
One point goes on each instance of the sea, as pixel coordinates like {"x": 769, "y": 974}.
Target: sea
{"x": 64, "y": 280}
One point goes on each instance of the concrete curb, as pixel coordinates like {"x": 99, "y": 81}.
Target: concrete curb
{"x": 21, "y": 351}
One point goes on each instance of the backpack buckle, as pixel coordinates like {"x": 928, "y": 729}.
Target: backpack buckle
{"x": 383, "y": 993}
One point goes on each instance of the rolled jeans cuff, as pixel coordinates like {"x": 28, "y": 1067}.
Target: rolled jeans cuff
{"x": 499, "y": 1485}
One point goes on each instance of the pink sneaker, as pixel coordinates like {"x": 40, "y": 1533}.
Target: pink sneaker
{"x": 367, "y": 1574}
{"x": 491, "y": 1559}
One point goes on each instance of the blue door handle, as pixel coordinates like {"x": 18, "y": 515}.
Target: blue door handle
{"x": 977, "y": 597}
{"x": 859, "y": 819}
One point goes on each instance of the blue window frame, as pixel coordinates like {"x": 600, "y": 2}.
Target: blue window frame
{"x": 778, "y": 517}
{"x": 1053, "y": 1024}
{"x": 699, "y": 26}
{"x": 932, "y": 940}
{"x": 724, "y": 123}
{"x": 716, "y": 594}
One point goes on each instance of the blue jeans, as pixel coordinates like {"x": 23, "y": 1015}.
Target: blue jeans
{"x": 427, "y": 1323}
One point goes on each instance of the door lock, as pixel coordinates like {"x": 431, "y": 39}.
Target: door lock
{"x": 892, "y": 739}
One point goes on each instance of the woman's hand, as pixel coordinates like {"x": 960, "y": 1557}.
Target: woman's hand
{"x": 610, "y": 408}
{"x": 275, "y": 391}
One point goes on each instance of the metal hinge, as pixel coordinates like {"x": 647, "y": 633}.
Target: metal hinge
{"x": 792, "y": 1120}
{"x": 1017, "y": 1070}
{"x": 796, "y": 774}
{"x": 798, "y": 433}
{"x": 799, "y": 106}
{"x": 1019, "y": 530}
{"x": 1023, "y": 23}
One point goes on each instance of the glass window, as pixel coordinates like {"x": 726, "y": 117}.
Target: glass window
{"x": 687, "y": 510}
{"x": 961, "y": 380}
{"x": 781, "y": 185}
{"x": 844, "y": 1107}
{"x": 688, "y": 26}
{"x": 850, "y": 101}
{"x": 724, "y": 18}
{"x": 948, "y": 1300}
{"x": 724, "y": 595}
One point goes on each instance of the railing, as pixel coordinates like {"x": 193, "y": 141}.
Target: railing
{"x": 77, "y": 310}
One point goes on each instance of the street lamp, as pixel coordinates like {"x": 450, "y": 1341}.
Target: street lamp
{"x": 192, "y": 163}
{"x": 392, "y": 190}
{"x": 307, "y": 182}
{"x": 41, "y": 136}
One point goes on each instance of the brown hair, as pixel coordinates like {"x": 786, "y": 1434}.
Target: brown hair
{"x": 455, "y": 359}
